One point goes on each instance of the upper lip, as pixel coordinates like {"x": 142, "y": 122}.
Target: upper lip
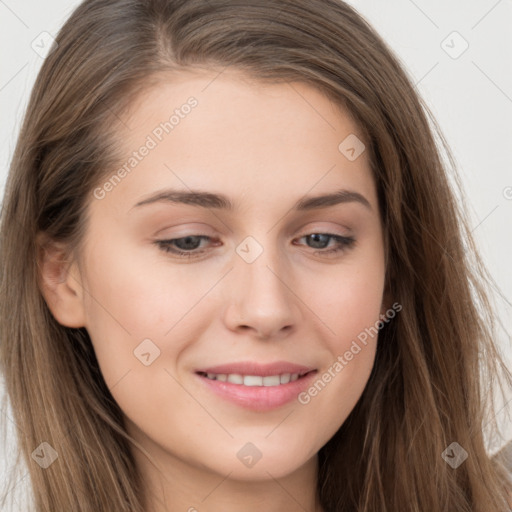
{"x": 257, "y": 369}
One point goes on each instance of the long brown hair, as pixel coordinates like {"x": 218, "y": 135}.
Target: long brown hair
{"x": 436, "y": 362}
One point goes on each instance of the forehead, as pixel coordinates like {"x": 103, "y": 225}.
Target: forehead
{"x": 224, "y": 131}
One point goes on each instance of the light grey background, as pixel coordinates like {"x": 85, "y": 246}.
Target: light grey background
{"x": 470, "y": 96}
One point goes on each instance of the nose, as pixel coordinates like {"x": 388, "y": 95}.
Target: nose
{"x": 260, "y": 297}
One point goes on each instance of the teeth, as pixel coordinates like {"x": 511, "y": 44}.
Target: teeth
{"x": 272, "y": 380}
{"x": 254, "y": 380}
{"x": 234, "y": 378}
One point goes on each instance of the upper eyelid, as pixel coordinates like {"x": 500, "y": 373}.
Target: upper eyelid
{"x": 202, "y": 231}
{"x": 210, "y": 237}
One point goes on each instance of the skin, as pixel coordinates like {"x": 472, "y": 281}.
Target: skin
{"x": 265, "y": 147}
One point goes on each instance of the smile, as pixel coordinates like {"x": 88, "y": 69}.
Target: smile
{"x": 254, "y": 380}
{"x": 259, "y": 387}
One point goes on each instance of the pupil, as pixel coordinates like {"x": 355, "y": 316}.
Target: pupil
{"x": 319, "y": 238}
{"x": 188, "y": 242}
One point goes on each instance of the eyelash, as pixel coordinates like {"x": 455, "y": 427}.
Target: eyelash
{"x": 343, "y": 243}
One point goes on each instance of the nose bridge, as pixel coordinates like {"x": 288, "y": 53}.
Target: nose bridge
{"x": 257, "y": 265}
{"x": 261, "y": 298}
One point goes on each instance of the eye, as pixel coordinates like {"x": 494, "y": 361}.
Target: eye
{"x": 320, "y": 241}
{"x": 183, "y": 247}
{"x": 190, "y": 246}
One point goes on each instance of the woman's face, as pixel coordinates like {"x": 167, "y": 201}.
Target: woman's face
{"x": 246, "y": 351}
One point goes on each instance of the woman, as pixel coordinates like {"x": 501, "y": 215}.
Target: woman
{"x": 235, "y": 275}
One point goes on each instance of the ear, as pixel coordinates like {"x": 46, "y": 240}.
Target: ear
{"x": 60, "y": 282}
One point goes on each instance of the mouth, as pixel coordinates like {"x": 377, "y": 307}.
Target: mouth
{"x": 255, "y": 386}
{"x": 255, "y": 380}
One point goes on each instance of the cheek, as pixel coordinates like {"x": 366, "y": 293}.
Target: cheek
{"x": 351, "y": 312}
{"x": 128, "y": 303}
{"x": 130, "y": 311}
{"x": 350, "y": 300}
{"x": 132, "y": 290}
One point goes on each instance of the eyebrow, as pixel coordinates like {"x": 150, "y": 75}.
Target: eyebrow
{"x": 220, "y": 201}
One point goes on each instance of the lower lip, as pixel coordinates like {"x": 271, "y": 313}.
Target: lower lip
{"x": 259, "y": 398}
